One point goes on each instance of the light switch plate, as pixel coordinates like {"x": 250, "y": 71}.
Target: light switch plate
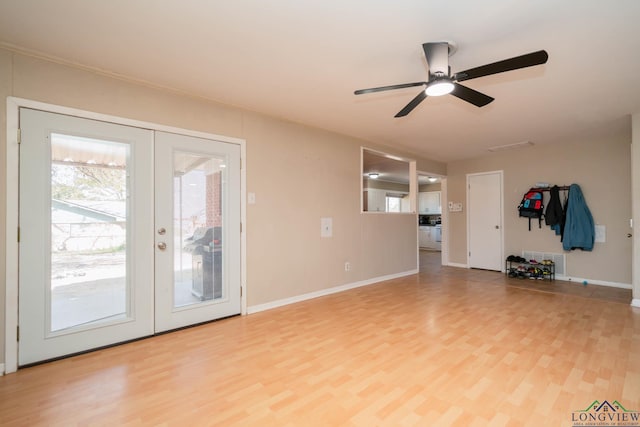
{"x": 601, "y": 233}
{"x": 326, "y": 227}
{"x": 455, "y": 207}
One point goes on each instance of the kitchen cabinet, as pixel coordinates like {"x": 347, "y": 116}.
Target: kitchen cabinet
{"x": 376, "y": 200}
{"x": 427, "y": 237}
{"x": 424, "y": 236}
{"x": 429, "y": 202}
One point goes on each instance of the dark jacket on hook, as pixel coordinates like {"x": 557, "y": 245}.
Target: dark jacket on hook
{"x": 554, "y": 216}
{"x": 579, "y": 232}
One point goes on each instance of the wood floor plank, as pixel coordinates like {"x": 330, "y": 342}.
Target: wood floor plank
{"x": 447, "y": 347}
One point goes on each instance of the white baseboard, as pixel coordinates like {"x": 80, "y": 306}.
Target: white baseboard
{"x": 298, "y": 298}
{"x": 581, "y": 280}
{"x": 455, "y": 264}
{"x": 635, "y": 302}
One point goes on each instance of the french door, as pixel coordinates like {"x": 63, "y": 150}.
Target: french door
{"x": 124, "y": 232}
{"x": 197, "y": 230}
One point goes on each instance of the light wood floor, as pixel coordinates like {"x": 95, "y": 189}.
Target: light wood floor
{"x": 430, "y": 262}
{"x": 447, "y": 347}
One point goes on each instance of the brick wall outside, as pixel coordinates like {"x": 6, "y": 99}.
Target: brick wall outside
{"x": 214, "y": 199}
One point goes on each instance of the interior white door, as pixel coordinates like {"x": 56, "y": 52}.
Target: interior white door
{"x": 197, "y": 230}
{"x": 84, "y": 209}
{"x": 485, "y": 220}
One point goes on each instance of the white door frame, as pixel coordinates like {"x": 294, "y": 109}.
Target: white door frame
{"x": 444, "y": 202}
{"x": 501, "y": 175}
{"x": 12, "y": 198}
{"x": 635, "y": 209}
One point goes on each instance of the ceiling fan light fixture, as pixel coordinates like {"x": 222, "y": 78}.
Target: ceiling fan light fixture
{"x": 439, "y": 88}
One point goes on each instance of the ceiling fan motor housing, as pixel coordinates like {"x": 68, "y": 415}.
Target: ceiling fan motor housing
{"x": 437, "y": 55}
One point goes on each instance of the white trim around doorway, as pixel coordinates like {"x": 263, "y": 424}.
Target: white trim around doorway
{"x": 12, "y": 200}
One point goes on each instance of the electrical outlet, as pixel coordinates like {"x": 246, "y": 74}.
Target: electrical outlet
{"x": 347, "y": 266}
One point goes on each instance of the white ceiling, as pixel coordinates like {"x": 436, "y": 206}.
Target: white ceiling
{"x": 302, "y": 60}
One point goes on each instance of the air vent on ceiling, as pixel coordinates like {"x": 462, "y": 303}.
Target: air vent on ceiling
{"x": 511, "y": 146}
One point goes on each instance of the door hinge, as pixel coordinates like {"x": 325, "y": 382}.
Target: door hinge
{"x": 18, "y": 234}
{"x": 240, "y": 291}
{"x": 240, "y": 162}
{"x": 240, "y": 227}
{"x": 19, "y": 135}
{"x": 18, "y": 333}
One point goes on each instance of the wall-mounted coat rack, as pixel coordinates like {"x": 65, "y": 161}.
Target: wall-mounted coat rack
{"x": 560, "y": 188}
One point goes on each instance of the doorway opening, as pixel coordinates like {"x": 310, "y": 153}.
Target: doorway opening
{"x": 432, "y": 217}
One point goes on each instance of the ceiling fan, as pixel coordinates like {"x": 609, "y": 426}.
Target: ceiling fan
{"x": 442, "y": 82}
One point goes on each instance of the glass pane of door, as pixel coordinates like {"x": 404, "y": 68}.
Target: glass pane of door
{"x": 88, "y": 231}
{"x": 197, "y": 226}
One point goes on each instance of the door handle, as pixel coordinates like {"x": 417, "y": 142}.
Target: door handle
{"x": 497, "y": 227}
{"x": 162, "y": 246}
{"x": 161, "y": 231}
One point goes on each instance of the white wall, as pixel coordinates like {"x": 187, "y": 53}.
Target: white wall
{"x": 600, "y": 164}
{"x": 298, "y": 173}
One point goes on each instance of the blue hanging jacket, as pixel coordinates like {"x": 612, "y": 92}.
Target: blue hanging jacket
{"x": 579, "y": 230}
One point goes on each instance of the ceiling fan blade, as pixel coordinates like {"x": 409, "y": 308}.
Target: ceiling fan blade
{"x": 473, "y": 96}
{"x": 437, "y": 55}
{"x": 523, "y": 61}
{"x": 413, "y": 104}
{"x": 392, "y": 87}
